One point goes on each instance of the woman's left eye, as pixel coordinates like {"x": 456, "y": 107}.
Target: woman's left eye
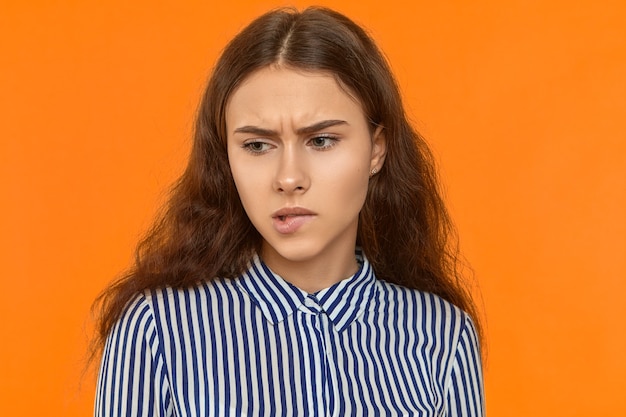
{"x": 323, "y": 142}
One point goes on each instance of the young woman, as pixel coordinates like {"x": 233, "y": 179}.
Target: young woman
{"x": 303, "y": 264}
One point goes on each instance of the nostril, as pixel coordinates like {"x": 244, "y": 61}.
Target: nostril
{"x": 290, "y": 185}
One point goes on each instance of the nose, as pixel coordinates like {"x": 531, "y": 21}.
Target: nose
{"x": 292, "y": 173}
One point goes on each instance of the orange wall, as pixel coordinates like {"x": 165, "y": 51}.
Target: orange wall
{"x": 524, "y": 102}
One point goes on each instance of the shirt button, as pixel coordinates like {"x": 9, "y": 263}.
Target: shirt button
{"x": 312, "y": 305}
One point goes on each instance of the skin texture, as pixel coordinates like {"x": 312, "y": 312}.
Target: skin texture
{"x": 297, "y": 139}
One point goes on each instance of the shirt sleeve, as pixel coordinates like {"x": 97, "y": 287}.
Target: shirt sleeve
{"x": 132, "y": 379}
{"x": 464, "y": 394}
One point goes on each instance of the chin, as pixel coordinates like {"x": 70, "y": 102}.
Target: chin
{"x": 292, "y": 251}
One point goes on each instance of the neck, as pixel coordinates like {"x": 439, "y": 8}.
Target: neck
{"x": 314, "y": 274}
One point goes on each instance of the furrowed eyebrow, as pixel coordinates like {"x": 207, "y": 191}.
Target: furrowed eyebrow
{"x": 256, "y": 131}
{"x": 316, "y": 127}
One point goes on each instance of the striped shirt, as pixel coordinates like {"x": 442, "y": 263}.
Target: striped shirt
{"x": 259, "y": 346}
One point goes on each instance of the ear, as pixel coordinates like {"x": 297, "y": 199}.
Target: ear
{"x": 379, "y": 149}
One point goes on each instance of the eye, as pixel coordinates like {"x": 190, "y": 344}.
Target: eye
{"x": 256, "y": 147}
{"x": 323, "y": 142}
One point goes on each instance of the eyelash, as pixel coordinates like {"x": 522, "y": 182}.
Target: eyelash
{"x": 330, "y": 141}
{"x": 248, "y": 146}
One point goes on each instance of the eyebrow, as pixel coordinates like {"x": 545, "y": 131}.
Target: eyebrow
{"x": 315, "y": 127}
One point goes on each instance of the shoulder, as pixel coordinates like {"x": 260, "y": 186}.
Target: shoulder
{"x": 427, "y": 306}
{"x": 444, "y": 336}
{"x": 138, "y": 314}
{"x": 432, "y": 317}
{"x": 170, "y": 298}
{"x": 154, "y": 309}
{"x": 179, "y": 309}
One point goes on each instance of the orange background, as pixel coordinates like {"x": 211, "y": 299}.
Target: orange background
{"x": 524, "y": 103}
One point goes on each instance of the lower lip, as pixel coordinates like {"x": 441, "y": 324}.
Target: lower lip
{"x": 291, "y": 224}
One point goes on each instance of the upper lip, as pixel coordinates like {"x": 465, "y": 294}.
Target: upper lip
{"x": 292, "y": 211}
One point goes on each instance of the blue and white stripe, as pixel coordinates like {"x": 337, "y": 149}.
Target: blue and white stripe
{"x": 258, "y": 346}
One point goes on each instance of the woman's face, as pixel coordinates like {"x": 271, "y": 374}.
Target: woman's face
{"x": 301, "y": 152}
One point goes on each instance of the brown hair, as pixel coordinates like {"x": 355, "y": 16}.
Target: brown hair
{"x": 203, "y": 233}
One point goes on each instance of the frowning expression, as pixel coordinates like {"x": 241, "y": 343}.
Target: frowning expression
{"x": 301, "y": 151}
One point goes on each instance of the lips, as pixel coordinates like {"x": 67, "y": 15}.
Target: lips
{"x": 288, "y": 220}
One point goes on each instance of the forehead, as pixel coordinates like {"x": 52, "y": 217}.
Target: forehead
{"x": 278, "y": 91}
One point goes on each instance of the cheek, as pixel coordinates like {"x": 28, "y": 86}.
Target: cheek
{"x": 240, "y": 178}
{"x": 249, "y": 186}
{"x": 244, "y": 188}
{"x": 349, "y": 180}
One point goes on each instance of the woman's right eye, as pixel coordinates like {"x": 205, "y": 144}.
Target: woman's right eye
{"x": 256, "y": 147}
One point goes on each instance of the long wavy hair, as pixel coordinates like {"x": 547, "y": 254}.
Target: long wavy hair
{"x": 203, "y": 231}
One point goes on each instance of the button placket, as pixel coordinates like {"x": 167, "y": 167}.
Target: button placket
{"x": 321, "y": 323}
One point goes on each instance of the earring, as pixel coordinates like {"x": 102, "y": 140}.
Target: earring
{"x": 373, "y": 172}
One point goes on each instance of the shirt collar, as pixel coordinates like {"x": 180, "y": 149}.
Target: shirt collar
{"x": 278, "y": 299}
